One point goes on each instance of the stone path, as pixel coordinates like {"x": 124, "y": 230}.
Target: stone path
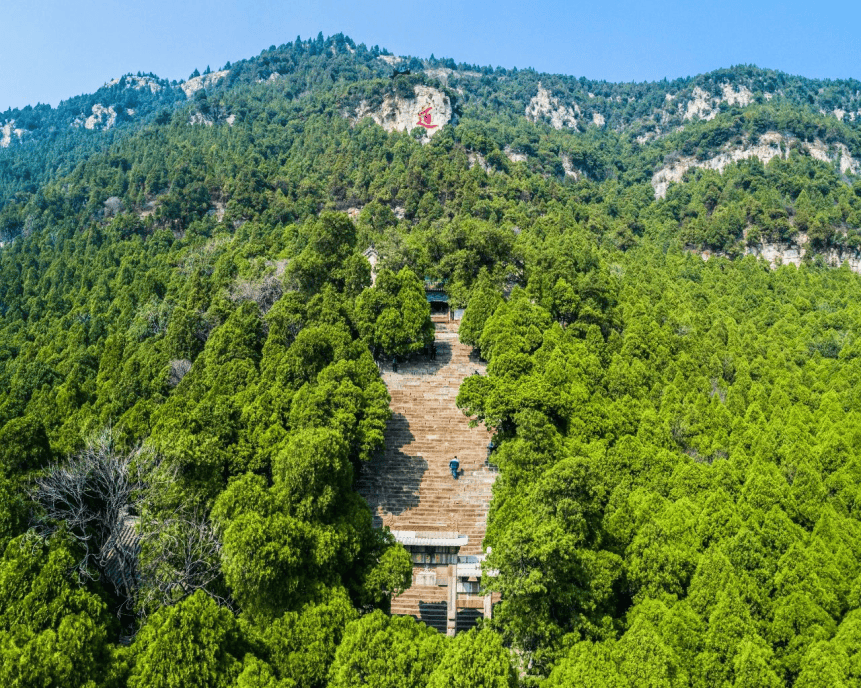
{"x": 409, "y": 486}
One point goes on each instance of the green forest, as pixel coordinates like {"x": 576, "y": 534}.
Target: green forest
{"x": 190, "y": 385}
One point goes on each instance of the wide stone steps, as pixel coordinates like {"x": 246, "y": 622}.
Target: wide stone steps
{"x": 409, "y": 485}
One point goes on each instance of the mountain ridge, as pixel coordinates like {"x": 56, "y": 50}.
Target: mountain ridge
{"x": 558, "y": 126}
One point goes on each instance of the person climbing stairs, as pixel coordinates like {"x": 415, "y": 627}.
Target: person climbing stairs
{"x": 409, "y": 485}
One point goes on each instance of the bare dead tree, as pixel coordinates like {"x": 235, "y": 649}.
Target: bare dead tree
{"x": 204, "y": 257}
{"x": 178, "y": 369}
{"x": 180, "y": 549}
{"x": 89, "y": 497}
{"x": 112, "y": 504}
{"x": 280, "y": 266}
{"x": 264, "y": 291}
{"x": 113, "y": 207}
{"x": 180, "y": 554}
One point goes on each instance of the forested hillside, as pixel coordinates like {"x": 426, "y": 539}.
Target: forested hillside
{"x": 189, "y": 388}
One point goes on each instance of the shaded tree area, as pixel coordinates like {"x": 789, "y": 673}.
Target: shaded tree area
{"x": 258, "y": 434}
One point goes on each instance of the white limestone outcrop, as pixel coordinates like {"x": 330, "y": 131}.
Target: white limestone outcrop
{"x": 272, "y": 77}
{"x": 139, "y": 83}
{"x": 737, "y": 96}
{"x": 703, "y": 105}
{"x": 101, "y": 118}
{"x": 570, "y": 170}
{"x": 402, "y": 114}
{"x": 474, "y": 159}
{"x": 7, "y": 131}
{"x": 514, "y": 157}
{"x": 192, "y": 86}
{"x": 544, "y": 104}
{"x": 770, "y": 145}
{"x": 821, "y": 151}
{"x": 391, "y": 60}
{"x": 200, "y": 118}
{"x": 443, "y": 73}
{"x": 794, "y": 252}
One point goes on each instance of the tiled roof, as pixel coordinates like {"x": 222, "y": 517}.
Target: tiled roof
{"x": 121, "y": 551}
{"x": 427, "y": 539}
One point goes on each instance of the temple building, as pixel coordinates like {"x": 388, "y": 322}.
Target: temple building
{"x": 437, "y": 296}
{"x": 438, "y": 564}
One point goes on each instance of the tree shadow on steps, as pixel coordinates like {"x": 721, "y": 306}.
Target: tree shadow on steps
{"x": 467, "y": 619}
{"x": 433, "y": 614}
{"x": 390, "y": 481}
{"x": 423, "y": 364}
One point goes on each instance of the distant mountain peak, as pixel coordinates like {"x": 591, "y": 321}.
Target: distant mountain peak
{"x": 196, "y": 83}
{"x": 138, "y": 83}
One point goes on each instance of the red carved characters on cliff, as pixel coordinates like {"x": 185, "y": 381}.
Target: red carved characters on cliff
{"x": 425, "y": 118}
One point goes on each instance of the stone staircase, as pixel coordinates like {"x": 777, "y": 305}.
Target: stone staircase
{"x": 409, "y": 486}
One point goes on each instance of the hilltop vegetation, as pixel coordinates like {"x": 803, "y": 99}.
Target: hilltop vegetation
{"x": 184, "y": 306}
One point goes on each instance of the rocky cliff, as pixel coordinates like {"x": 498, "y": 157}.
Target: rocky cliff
{"x": 7, "y": 131}
{"x": 544, "y": 106}
{"x": 769, "y": 145}
{"x": 795, "y": 252}
{"x": 193, "y": 85}
{"x": 403, "y": 114}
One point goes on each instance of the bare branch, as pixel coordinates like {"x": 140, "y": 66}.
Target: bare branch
{"x": 89, "y": 498}
{"x": 178, "y": 369}
{"x": 111, "y": 503}
{"x": 264, "y": 291}
{"x": 180, "y": 554}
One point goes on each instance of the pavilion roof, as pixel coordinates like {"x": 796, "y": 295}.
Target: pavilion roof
{"x": 429, "y": 539}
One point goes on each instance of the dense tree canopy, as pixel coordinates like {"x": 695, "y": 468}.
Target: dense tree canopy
{"x": 677, "y": 439}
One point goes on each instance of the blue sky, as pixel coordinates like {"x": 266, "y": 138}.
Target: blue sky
{"x": 51, "y": 49}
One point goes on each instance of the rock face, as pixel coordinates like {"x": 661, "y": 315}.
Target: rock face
{"x": 272, "y": 77}
{"x": 741, "y": 96}
{"x": 703, "y": 105}
{"x": 513, "y": 156}
{"x": 570, "y": 170}
{"x": 7, "y": 131}
{"x": 793, "y": 253}
{"x": 770, "y": 144}
{"x": 192, "y": 86}
{"x": 843, "y": 115}
{"x": 102, "y": 118}
{"x": 443, "y": 73}
{"x": 198, "y": 118}
{"x": 139, "y": 83}
{"x": 474, "y": 159}
{"x": 391, "y": 59}
{"x": 402, "y": 114}
{"x": 544, "y": 105}
{"x": 821, "y": 151}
